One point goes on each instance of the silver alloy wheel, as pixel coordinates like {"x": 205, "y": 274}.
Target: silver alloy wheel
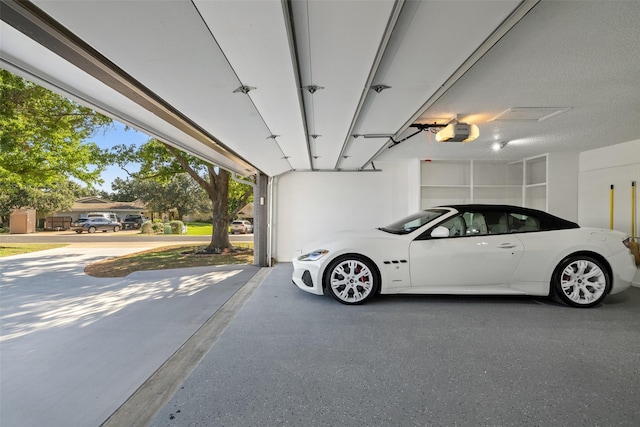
{"x": 351, "y": 281}
{"x": 583, "y": 282}
{"x": 91, "y": 230}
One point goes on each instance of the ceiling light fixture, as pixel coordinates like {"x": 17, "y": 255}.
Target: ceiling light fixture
{"x": 497, "y": 146}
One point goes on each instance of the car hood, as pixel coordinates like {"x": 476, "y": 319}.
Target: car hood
{"x": 345, "y": 238}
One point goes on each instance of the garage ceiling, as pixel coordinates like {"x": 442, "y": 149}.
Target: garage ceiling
{"x": 274, "y": 86}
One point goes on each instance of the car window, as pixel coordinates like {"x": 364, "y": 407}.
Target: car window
{"x": 510, "y": 222}
{"x": 519, "y": 223}
{"x": 457, "y": 226}
{"x": 413, "y": 222}
{"x": 476, "y": 223}
{"x": 465, "y": 224}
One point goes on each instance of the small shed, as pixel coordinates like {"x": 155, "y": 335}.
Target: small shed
{"x": 22, "y": 221}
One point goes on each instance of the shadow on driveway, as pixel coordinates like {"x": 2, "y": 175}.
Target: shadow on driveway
{"x": 75, "y": 347}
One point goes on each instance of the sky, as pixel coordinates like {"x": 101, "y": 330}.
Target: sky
{"x": 115, "y": 135}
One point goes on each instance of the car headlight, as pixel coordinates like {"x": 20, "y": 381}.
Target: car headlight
{"x": 313, "y": 256}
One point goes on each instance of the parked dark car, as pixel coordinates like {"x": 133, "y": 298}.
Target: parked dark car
{"x": 92, "y": 225}
{"x": 133, "y": 221}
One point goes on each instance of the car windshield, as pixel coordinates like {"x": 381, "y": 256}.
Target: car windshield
{"x": 413, "y": 222}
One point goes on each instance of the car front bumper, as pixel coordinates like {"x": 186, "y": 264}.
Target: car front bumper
{"x": 306, "y": 276}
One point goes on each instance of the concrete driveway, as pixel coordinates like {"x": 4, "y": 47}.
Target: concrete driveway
{"x": 74, "y": 347}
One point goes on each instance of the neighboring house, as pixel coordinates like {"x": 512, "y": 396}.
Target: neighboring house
{"x": 245, "y": 213}
{"x": 83, "y": 206}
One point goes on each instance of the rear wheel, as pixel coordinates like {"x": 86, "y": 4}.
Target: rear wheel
{"x": 352, "y": 279}
{"x": 78, "y": 231}
{"x": 91, "y": 230}
{"x": 581, "y": 281}
{"x": 116, "y": 229}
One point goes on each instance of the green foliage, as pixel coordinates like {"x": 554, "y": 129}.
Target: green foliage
{"x": 45, "y": 199}
{"x": 126, "y": 190}
{"x": 146, "y": 226}
{"x": 42, "y": 144}
{"x": 178, "y": 192}
{"x": 162, "y": 163}
{"x": 236, "y": 200}
{"x": 42, "y": 136}
{"x": 176, "y": 227}
{"x": 199, "y": 229}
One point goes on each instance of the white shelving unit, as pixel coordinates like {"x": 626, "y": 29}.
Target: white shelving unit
{"x": 534, "y": 192}
{"x": 445, "y": 182}
{"x": 521, "y": 183}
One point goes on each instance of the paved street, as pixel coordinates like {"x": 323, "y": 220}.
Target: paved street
{"x": 125, "y": 236}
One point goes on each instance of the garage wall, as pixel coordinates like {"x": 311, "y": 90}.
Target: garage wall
{"x": 562, "y": 185}
{"x": 310, "y": 205}
{"x": 616, "y": 165}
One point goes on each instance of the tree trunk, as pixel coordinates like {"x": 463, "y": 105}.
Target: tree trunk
{"x": 219, "y": 196}
{"x": 220, "y": 236}
{"x": 217, "y": 189}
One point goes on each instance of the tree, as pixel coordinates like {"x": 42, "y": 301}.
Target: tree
{"x": 46, "y": 199}
{"x": 161, "y": 162}
{"x": 179, "y": 192}
{"x": 42, "y": 135}
{"x": 125, "y": 190}
{"x": 42, "y": 144}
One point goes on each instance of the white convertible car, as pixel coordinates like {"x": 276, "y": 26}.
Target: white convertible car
{"x": 471, "y": 250}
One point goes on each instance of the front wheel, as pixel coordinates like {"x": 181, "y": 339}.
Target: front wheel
{"x": 78, "y": 231}
{"x": 581, "y": 281}
{"x": 91, "y": 230}
{"x": 116, "y": 229}
{"x": 352, "y": 279}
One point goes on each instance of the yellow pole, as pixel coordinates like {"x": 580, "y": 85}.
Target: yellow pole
{"x": 633, "y": 209}
{"x": 633, "y": 245}
{"x": 611, "y": 208}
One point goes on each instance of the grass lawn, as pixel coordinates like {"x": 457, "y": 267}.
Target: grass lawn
{"x": 8, "y": 249}
{"x": 199, "y": 229}
{"x": 182, "y": 256}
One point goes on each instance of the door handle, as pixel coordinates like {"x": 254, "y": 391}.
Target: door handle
{"x": 507, "y": 246}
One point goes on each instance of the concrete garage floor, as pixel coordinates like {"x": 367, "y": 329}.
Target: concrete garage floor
{"x": 291, "y": 358}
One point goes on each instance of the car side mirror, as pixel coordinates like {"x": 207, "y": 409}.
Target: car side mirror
{"x": 440, "y": 232}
